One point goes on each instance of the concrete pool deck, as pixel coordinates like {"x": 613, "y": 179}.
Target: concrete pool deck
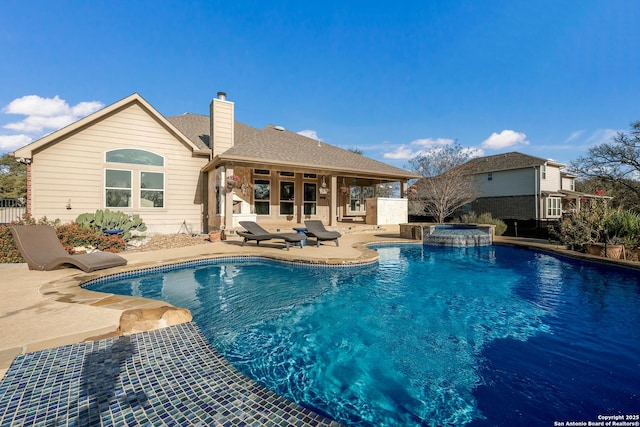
{"x": 44, "y": 310}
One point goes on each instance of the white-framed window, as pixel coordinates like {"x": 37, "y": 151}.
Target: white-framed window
{"x": 262, "y": 196}
{"x": 118, "y": 188}
{"x": 359, "y": 195}
{"x": 490, "y": 176}
{"x": 261, "y": 172}
{"x": 310, "y": 198}
{"x": 287, "y": 197}
{"x": 141, "y": 184}
{"x": 543, "y": 169}
{"x": 554, "y": 207}
{"x": 151, "y": 189}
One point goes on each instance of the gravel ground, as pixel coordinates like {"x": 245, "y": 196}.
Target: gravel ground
{"x": 168, "y": 241}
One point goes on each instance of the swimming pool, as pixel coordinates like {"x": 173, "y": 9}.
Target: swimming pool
{"x": 478, "y": 336}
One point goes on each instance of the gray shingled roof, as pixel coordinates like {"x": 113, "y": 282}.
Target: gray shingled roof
{"x": 273, "y": 146}
{"x": 194, "y": 127}
{"x": 507, "y": 161}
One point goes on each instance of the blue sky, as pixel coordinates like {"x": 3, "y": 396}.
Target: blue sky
{"x": 546, "y": 78}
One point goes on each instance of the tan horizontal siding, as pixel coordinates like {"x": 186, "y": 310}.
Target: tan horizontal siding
{"x": 73, "y": 168}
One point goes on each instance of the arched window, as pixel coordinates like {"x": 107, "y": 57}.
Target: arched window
{"x": 134, "y": 156}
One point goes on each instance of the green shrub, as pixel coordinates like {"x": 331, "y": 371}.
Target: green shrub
{"x": 71, "y": 236}
{"x": 623, "y": 227}
{"x": 9, "y": 252}
{"x": 111, "y": 244}
{"x": 75, "y": 235}
{"x": 596, "y": 222}
{"x": 485, "y": 218}
{"x": 103, "y": 220}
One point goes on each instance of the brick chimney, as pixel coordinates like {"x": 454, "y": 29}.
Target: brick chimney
{"x": 221, "y": 119}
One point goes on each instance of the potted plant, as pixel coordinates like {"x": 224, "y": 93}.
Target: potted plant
{"x": 344, "y": 188}
{"x": 623, "y": 231}
{"x": 233, "y": 181}
{"x": 584, "y": 230}
{"x": 216, "y": 235}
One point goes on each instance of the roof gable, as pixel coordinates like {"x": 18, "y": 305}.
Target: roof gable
{"x": 28, "y": 150}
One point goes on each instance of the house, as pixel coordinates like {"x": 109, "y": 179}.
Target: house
{"x": 522, "y": 187}
{"x": 201, "y": 172}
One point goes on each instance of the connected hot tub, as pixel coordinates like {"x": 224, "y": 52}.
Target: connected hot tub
{"x": 449, "y": 234}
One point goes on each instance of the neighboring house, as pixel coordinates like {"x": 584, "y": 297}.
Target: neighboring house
{"x": 522, "y": 187}
{"x": 200, "y": 172}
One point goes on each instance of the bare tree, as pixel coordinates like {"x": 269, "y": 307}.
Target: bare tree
{"x": 448, "y": 184}
{"x": 615, "y": 164}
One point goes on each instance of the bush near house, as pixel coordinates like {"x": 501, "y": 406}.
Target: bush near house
{"x": 71, "y": 236}
{"x": 103, "y": 220}
{"x": 74, "y": 235}
{"x": 485, "y": 218}
{"x": 9, "y": 253}
{"x": 598, "y": 223}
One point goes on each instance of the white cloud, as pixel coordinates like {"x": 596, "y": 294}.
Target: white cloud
{"x": 401, "y": 153}
{"x": 575, "y": 135}
{"x": 504, "y": 139}
{"x": 601, "y": 136}
{"x": 37, "y": 124}
{"x": 85, "y": 108}
{"x": 43, "y": 115}
{"x": 473, "y": 152}
{"x": 34, "y": 105}
{"x": 46, "y": 113}
{"x": 432, "y": 142}
{"x": 310, "y": 134}
{"x": 13, "y": 142}
{"x": 404, "y": 152}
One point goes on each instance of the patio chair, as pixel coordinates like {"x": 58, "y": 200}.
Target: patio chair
{"x": 316, "y": 229}
{"x": 42, "y": 250}
{"x": 257, "y": 233}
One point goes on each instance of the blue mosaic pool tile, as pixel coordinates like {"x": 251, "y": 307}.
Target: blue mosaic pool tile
{"x": 171, "y": 376}
{"x": 213, "y": 261}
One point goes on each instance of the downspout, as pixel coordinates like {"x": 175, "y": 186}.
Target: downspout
{"x": 536, "y": 198}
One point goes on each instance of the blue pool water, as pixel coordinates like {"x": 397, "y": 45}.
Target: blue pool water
{"x": 480, "y": 336}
